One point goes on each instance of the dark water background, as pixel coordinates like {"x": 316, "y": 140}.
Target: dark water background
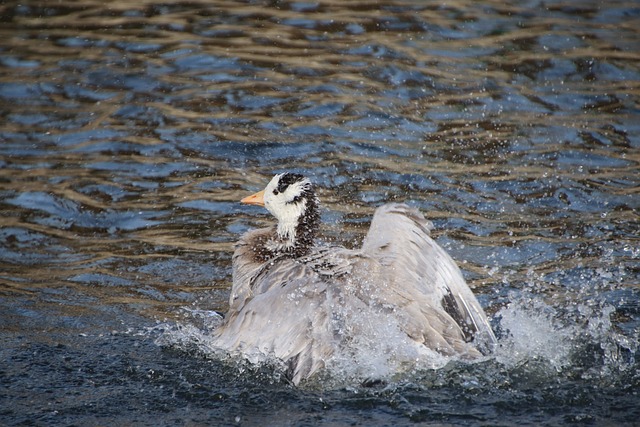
{"x": 129, "y": 131}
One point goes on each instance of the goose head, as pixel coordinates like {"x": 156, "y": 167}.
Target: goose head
{"x": 290, "y": 198}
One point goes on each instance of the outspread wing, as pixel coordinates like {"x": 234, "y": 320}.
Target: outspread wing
{"x": 434, "y": 302}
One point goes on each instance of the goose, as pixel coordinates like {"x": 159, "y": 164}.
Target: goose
{"x": 291, "y": 299}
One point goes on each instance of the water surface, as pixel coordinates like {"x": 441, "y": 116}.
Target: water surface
{"x": 128, "y": 133}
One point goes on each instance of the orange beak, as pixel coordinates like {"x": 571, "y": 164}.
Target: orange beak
{"x": 254, "y": 199}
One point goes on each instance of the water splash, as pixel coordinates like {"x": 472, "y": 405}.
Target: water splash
{"x": 193, "y": 333}
{"x": 532, "y": 330}
{"x": 578, "y": 340}
{"x": 374, "y": 347}
{"x": 379, "y": 349}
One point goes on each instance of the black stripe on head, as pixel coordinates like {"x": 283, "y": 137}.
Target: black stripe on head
{"x": 286, "y": 180}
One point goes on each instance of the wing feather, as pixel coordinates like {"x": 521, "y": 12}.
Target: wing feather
{"x": 440, "y": 307}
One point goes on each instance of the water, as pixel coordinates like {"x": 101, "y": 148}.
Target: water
{"x": 129, "y": 132}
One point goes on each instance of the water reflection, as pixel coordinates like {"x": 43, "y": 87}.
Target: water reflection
{"x": 129, "y": 132}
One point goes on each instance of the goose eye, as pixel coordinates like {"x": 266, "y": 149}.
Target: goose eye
{"x": 275, "y": 192}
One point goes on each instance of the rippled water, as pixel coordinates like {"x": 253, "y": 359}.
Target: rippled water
{"x": 129, "y": 131}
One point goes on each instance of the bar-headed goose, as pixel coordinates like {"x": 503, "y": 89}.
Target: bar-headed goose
{"x": 291, "y": 300}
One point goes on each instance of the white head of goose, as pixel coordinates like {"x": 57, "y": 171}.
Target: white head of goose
{"x": 302, "y": 304}
{"x": 292, "y": 200}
